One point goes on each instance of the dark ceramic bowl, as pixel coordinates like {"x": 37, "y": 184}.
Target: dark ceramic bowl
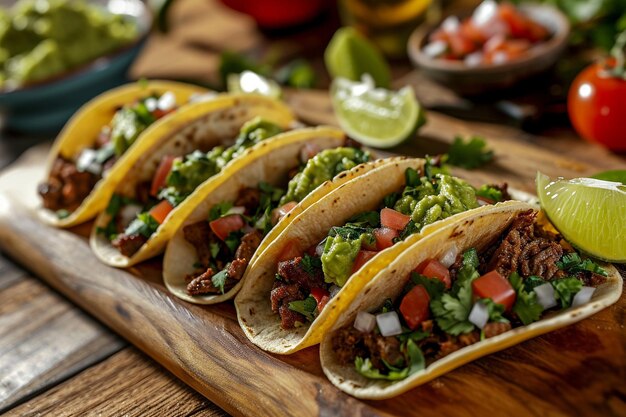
{"x": 488, "y": 77}
{"x": 44, "y": 107}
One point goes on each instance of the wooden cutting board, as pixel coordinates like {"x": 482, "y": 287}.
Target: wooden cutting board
{"x": 579, "y": 370}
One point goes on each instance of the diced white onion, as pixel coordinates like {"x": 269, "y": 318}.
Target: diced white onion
{"x": 474, "y": 60}
{"x": 479, "y": 314}
{"x": 500, "y": 57}
{"x": 236, "y": 210}
{"x": 583, "y": 296}
{"x": 167, "y": 101}
{"x": 129, "y": 212}
{"x": 484, "y": 12}
{"x": 449, "y": 257}
{"x": 319, "y": 249}
{"x": 545, "y": 295}
{"x": 87, "y": 162}
{"x": 436, "y": 48}
{"x": 451, "y": 24}
{"x": 151, "y": 104}
{"x": 334, "y": 289}
{"x": 365, "y": 322}
{"x": 389, "y": 324}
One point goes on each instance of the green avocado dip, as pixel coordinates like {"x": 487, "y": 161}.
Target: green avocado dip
{"x": 323, "y": 167}
{"x": 40, "y": 39}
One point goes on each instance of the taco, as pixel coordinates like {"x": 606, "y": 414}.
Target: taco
{"x": 295, "y": 289}
{"x": 95, "y": 149}
{"x": 180, "y": 154}
{"x": 249, "y": 205}
{"x": 498, "y": 277}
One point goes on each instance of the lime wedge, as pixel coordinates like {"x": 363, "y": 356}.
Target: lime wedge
{"x": 251, "y": 82}
{"x": 589, "y": 213}
{"x": 350, "y": 55}
{"x": 374, "y": 116}
{"x": 617, "y": 175}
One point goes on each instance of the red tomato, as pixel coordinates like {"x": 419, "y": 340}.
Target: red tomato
{"x": 158, "y": 113}
{"x": 361, "y": 259}
{"x": 460, "y": 45}
{"x": 517, "y": 22}
{"x": 277, "y": 14}
{"x": 415, "y": 306}
{"x": 384, "y": 237}
{"x": 471, "y": 32}
{"x": 290, "y": 251}
{"x": 597, "y": 109}
{"x": 432, "y": 268}
{"x": 495, "y": 286}
{"x": 321, "y": 296}
{"x": 161, "y": 210}
{"x": 223, "y": 226}
{"x": 393, "y": 219}
{"x": 158, "y": 181}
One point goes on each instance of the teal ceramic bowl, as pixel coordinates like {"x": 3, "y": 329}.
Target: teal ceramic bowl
{"x": 45, "y": 107}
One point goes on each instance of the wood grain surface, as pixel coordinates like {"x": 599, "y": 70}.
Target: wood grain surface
{"x": 575, "y": 371}
{"x": 127, "y": 384}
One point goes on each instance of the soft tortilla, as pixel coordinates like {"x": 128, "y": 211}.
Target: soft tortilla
{"x": 200, "y": 126}
{"x": 82, "y": 130}
{"x": 269, "y": 164}
{"x": 478, "y": 230}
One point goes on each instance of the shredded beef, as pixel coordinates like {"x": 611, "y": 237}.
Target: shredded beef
{"x": 292, "y": 271}
{"x": 249, "y": 244}
{"x": 469, "y": 338}
{"x": 494, "y": 329}
{"x": 128, "y": 245}
{"x": 448, "y": 346}
{"x": 282, "y": 294}
{"x": 249, "y": 198}
{"x": 348, "y": 344}
{"x": 383, "y": 349}
{"x": 201, "y": 236}
{"x": 289, "y": 318}
{"x": 525, "y": 249}
{"x": 202, "y": 284}
{"x": 66, "y": 187}
{"x": 236, "y": 269}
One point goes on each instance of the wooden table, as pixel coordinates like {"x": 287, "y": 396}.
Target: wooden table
{"x": 57, "y": 360}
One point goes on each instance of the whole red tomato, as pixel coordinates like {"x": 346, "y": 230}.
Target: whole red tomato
{"x": 597, "y": 107}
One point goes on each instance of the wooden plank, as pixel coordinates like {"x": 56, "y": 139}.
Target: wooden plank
{"x": 203, "y": 346}
{"x": 43, "y": 338}
{"x": 127, "y": 384}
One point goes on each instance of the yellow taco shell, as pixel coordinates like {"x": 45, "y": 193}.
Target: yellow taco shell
{"x": 477, "y": 230}
{"x": 201, "y": 125}
{"x": 82, "y": 130}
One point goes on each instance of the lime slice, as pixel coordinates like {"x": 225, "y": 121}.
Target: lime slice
{"x": 589, "y": 213}
{"x": 350, "y": 55}
{"x": 251, "y": 82}
{"x": 617, "y": 175}
{"x": 374, "y": 116}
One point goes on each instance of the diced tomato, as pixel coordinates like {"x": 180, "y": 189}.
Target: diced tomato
{"x": 393, "y": 219}
{"x": 517, "y": 22}
{"x": 415, "y": 306}
{"x": 158, "y": 113}
{"x": 460, "y": 45}
{"x": 361, "y": 259}
{"x": 223, "y": 226}
{"x": 471, "y": 32}
{"x": 439, "y": 35}
{"x": 158, "y": 181}
{"x": 536, "y": 31}
{"x": 384, "y": 237}
{"x": 495, "y": 286}
{"x": 432, "y": 268}
{"x": 161, "y": 210}
{"x": 321, "y": 296}
{"x": 290, "y": 251}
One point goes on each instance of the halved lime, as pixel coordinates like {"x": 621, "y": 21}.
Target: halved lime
{"x": 251, "y": 82}
{"x": 589, "y": 213}
{"x": 375, "y": 116}
{"x": 350, "y": 55}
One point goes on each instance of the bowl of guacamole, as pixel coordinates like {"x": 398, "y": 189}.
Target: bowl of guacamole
{"x": 57, "y": 54}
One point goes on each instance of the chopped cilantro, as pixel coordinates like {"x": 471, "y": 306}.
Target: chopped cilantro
{"x": 532, "y": 281}
{"x": 233, "y": 240}
{"x": 305, "y": 307}
{"x": 348, "y": 231}
{"x": 215, "y": 249}
{"x": 489, "y": 192}
{"x": 391, "y": 199}
{"x": 433, "y": 286}
{"x": 387, "y": 306}
{"x": 365, "y": 219}
{"x": 565, "y": 289}
{"x": 572, "y": 263}
{"x": 469, "y": 155}
{"x": 495, "y": 311}
{"x": 144, "y": 225}
{"x": 409, "y": 229}
{"x": 219, "y": 210}
{"x": 311, "y": 264}
{"x": 468, "y": 270}
{"x": 526, "y": 305}
{"x": 416, "y": 363}
{"x": 219, "y": 280}
{"x": 412, "y": 178}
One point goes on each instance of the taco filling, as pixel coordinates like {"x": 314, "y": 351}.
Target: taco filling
{"x": 306, "y": 282}
{"x": 71, "y": 180}
{"x": 462, "y": 299}
{"x": 134, "y": 221}
{"x": 227, "y": 240}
